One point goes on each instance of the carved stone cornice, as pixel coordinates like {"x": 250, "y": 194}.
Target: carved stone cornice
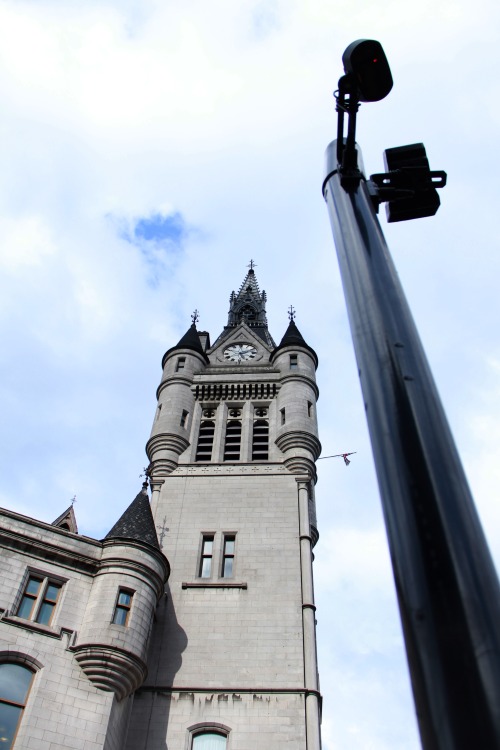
{"x": 299, "y": 439}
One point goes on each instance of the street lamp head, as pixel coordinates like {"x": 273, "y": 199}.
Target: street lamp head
{"x": 365, "y": 61}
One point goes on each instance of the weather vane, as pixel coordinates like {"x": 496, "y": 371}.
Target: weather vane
{"x": 195, "y": 317}
{"x": 73, "y": 500}
{"x": 291, "y": 312}
{"x": 252, "y": 265}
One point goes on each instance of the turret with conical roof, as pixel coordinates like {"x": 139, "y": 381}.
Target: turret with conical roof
{"x": 132, "y": 575}
{"x": 174, "y": 413}
{"x": 137, "y": 521}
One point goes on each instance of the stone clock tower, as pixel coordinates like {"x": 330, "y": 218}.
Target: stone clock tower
{"x": 232, "y": 467}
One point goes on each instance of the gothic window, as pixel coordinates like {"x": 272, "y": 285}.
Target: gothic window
{"x": 232, "y": 443}
{"x": 228, "y": 556}
{"x": 205, "y": 440}
{"x": 15, "y": 683}
{"x": 294, "y": 361}
{"x": 209, "y": 741}
{"x": 260, "y": 441}
{"x": 122, "y": 607}
{"x": 206, "y": 556}
{"x": 39, "y": 599}
{"x": 247, "y": 312}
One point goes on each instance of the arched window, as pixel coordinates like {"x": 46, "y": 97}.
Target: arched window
{"x": 15, "y": 682}
{"x": 209, "y": 741}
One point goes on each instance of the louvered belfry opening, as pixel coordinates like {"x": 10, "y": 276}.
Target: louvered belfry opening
{"x": 260, "y": 441}
{"x": 205, "y": 440}
{"x": 232, "y": 443}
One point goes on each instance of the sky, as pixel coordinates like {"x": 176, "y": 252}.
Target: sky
{"x": 148, "y": 151}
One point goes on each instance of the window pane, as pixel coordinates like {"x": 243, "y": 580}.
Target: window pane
{"x": 120, "y": 617}
{"x": 14, "y": 682}
{"x": 228, "y": 567}
{"x": 209, "y": 741}
{"x": 124, "y": 598}
{"x": 206, "y": 567}
{"x": 52, "y": 592}
{"x": 33, "y": 586}
{"x": 9, "y": 718}
{"x": 208, "y": 546}
{"x": 44, "y": 614}
{"x": 25, "y": 607}
{"x": 229, "y": 550}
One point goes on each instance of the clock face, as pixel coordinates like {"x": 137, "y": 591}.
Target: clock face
{"x": 239, "y": 353}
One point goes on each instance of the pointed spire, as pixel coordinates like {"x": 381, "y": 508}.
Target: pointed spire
{"x": 293, "y": 337}
{"x": 190, "y": 340}
{"x": 248, "y": 306}
{"x": 137, "y": 521}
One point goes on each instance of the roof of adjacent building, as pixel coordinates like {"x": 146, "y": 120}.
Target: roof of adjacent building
{"x": 137, "y": 521}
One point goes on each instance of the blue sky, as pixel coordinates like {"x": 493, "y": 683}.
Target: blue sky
{"x": 215, "y": 116}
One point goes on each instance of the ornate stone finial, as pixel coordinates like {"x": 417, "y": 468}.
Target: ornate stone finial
{"x": 195, "y": 317}
{"x": 252, "y": 265}
{"x": 291, "y": 313}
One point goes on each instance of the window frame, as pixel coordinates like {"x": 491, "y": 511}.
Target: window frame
{"x": 228, "y": 536}
{"x": 120, "y": 607}
{"x": 4, "y": 701}
{"x": 208, "y": 728}
{"x": 180, "y": 364}
{"x": 294, "y": 361}
{"x": 206, "y": 536}
{"x": 40, "y": 598}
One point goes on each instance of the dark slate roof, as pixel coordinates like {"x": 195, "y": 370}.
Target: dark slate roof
{"x": 293, "y": 337}
{"x": 190, "y": 340}
{"x": 137, "y": 522}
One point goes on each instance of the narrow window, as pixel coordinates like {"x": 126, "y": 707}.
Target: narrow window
{"x": 207, "y": 550}
{"x": 181, "y": 363}
{"x": 39, "y": 599}
{"x": 122, "y": 607}
{"x": 282, "y": 412}
{"x": 184, "y": 417}
{"x": 15, "y": 682}
{"x": 232, "y": 443}
{"x": 228, "y": 556}
{"x": 205, "y": 441}
{"x": 260, "y": 441}
{"x": 209, "y": 741}
{"x": 158, "y": 412}
{"x": 294, "y": 361}
{"x": 309, "y": 409}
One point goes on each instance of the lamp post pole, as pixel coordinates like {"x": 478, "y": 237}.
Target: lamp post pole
{"x": 446, "y": 584}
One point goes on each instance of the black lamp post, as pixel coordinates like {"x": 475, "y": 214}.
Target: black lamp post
{"x": 446, "y": 584}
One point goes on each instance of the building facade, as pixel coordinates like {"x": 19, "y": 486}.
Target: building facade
{"x": 191, "y": 626}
